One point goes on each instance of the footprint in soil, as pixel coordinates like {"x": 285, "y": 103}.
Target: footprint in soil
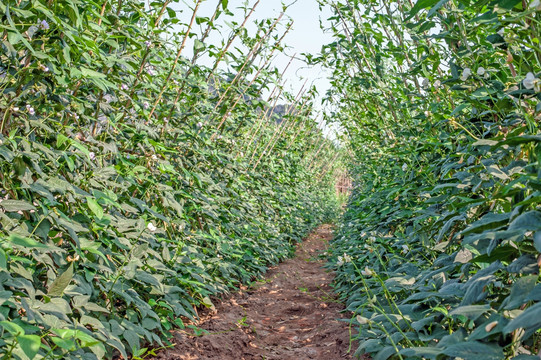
{"x": 291, "y": 314}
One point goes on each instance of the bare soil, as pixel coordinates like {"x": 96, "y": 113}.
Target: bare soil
{"x": 290, "y": 314}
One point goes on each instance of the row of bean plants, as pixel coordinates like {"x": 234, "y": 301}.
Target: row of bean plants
{"x": 438, "y": 253}
{"x": 135, "y": 183}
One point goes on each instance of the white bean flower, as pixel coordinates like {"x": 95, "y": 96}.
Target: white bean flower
{"x": 481, "y": 71}
{"x": 200, "y": 124}
{"x": 531, "y": 82}
{"x": 367, "y": 272}
{"x": 124, "y": 87}
{"x": 151, "y": 227}
{"x": 466, "y": 73}
{"x": 437, "y": 84}
{"x": 146, "y": 105}
{"x": 362, "y": 320}
{"x": 404, "y": 167}
{"x": 30, "y": 109}
{"x": 92, "y": 155}
{"x": 154, "y": 157}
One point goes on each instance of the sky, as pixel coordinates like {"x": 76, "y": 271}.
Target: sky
{"x": 305, "y": 36}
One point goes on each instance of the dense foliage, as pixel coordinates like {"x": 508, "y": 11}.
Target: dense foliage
{"x": 135, "y": 183}
{"x": 438, "y": 254}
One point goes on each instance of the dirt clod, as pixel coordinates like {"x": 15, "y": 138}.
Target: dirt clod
{"x": 291, "y": 314}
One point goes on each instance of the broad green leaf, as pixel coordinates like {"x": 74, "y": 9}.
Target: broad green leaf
{"x": 489, "y": 221}
{"x": 522, "y": 287}
{"x": 16, "y": 205}
{"x": 12, "y": 328}
{"x": 529, "y": 221}
{"x": 30, "y": 344}
{"x": 91, "y": 73}
{"x": 529, "y": 318}
{"x": 474, "y": 350}
{"x": 27, "y": 242}
{"x": 426, "y": 352}
{"x": 3, "y": 260}
{"x": 537, "y": 241}
{"x": 420, "y": 5}
{"x": 436, "y": 7}
{"x": 95, "y": 207}
{"x": 66, "y": 344}
{"x": 61, "y": 282}
{"x": 472, "y": 312}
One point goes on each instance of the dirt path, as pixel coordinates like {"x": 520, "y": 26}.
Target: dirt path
{"x": 290, "y": 314}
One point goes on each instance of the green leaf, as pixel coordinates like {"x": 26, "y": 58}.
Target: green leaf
{"x": 26, "y": 242}
{"x": 436, "y": 7}
{"x": 472, "y": 312}
{"x": 420, "y": 5}
{"x": 91, "y": 73}
{"x": 30, "y": 344}
{"x": 517, "y": 140}
{"x": 489, "y": 221}
{"x": 3, "y": 260}
{"x": 61, "y": 282}
{"x": 95, "y": 207}
{"x": 66, "y": 344}
{"x": 428, "y": 352}
{"x": 529, "y": 221}
{"x": 529, "y": 318}
{"x": 198, "y": 45}
{"x": 522, "y": 287}
{"x": 537, "y": 241}
{"x": 61, "y": 140}
{"x": 12, "y": 328}
{"x": 508, "y": 4}
{"x": 474, "y": 350}
{"x": 16, "y": 205}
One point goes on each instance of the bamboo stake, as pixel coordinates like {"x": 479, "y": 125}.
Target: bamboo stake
{"x": 102, "y": 12}
{"x": 260, "y": 120}
{"x": 298, "y": 133}
{"x": 278, "y": 130}
{"x": 176, "y": 59}
{"x": 231, "y": 39}
{"x": 251, "y": 54}
{"x": 162, "y": 11}
{"x": 326, "y": 169}
{"x": 269, "y": 57}
{"x": 224, "y": 51}
{"x": 288, "y": 125}
{"x": 198, "y": 51}
{"x": 267, "y": 115}
{"x": 275, "y": 131}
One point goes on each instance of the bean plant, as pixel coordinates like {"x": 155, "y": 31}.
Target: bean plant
{"x": 136, "y": 184}
{"x": 438, "y": 253}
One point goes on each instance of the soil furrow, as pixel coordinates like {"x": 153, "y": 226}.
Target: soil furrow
{"x": 292, "y": 313}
